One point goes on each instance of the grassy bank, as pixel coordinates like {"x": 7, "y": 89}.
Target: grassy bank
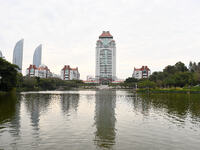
{"x": 170, "y": 90}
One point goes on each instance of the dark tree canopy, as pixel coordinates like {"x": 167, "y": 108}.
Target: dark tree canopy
{"x": 130, "y": 80}
{"x": 8, "y": 73}
{"x": 180, "y": 67}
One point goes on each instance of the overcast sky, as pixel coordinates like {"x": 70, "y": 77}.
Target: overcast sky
{"x": 147, "y": 32}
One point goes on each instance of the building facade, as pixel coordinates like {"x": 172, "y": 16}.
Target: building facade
{"x": 37, "y": 56}
{"x": 105, "y": 58}
{"x": 68, "y": 73}
{"x": 18, "y": 54}
{"x": 42, "y": 71}
{"x": 141, "y": 73}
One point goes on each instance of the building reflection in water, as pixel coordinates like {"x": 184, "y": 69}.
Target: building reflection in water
{"x": 105, "y": 101}
{"x": 35, "y": 104}
{"x": 69, "y": 102}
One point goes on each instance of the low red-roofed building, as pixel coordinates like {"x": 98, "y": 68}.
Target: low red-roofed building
{"x": 68, "y": 73}
{"x": 42, "y": 71}
{"x": 141, "y": 73}
{"x": 31, "y": 71}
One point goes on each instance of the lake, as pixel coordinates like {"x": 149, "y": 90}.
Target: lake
{"x": 102, "y": 119}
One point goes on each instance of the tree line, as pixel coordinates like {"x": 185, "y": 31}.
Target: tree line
{"x": 10, "y": 79}
{"x": 26, "y": 83}
{"x": 178, "y": 75}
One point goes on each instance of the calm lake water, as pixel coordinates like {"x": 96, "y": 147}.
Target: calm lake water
{"x": 104, "y": 119}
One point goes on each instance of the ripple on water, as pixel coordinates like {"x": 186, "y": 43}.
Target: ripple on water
{"x": 104, "y": 119}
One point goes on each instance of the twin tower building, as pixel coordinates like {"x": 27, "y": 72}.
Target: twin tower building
{"x": 18, "y": 55}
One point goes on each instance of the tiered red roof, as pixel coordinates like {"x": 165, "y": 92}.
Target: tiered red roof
{"x": 106, "y": 34}
{"x": 66, "y": 67}
{"x": 32, "y": 66}
{"x": 43, "y": 67}
{"x": 74, "y": 69}
{"x": 69, "y": 68}
{"x": 142, "y": 69}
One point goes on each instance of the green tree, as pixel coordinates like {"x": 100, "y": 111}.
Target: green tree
{"x": 8, "y": 73}
{"x": 146, "y": 84}
{"x": 169, "y": 81}
{"x": 131, "y": 80}
{"x": 180, "y": 67}
{"x": 183, "y": 78}
{"x": 29, "y": 83}
{"x": 170, "y": 69}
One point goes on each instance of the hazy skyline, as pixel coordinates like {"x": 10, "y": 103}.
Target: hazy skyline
{"x": 147, "y": 32}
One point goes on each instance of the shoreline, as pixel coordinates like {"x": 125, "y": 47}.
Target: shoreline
{"x": 169, "y": 90}
{"x": 156, "y": 90}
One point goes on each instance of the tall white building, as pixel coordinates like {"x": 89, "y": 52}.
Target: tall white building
{"x": 105, "y": 58}
{"x": 37, "y": 56}
{"x": 18, "y": 54}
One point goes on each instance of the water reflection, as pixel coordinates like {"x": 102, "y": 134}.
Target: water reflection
{"x": 155, "y": 121}
{"x": 69, "y": 102}
{"x": 10, "y": 114}
{"x": 7, "y": 107}
{"x": 177, "y": 106}
{"x": 35, "y": 105}
{"x": 105, "y": 101}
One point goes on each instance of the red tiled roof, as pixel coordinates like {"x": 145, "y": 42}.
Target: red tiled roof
{"x": 142, "y": 69}
{"x": 74, "y": 69}
{"x": 66, "y": 67}
{"x": 32, "y": 66}
{"x": 105, "y": 34}
{"x": 69, "y": 68}
{"x": 43, "y": 68}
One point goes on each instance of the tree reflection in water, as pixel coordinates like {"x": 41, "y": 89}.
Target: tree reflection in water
{"x": 10, "y": 113}
{"x": 105, "y": 101}
{"x": 177, "y": 106}
{"x": 7, "y": 107}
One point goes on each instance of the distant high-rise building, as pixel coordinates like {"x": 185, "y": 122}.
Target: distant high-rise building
{"x": 37, "y": 56}
{"x": 105, "y": 58}
{"x": 18, "y": 54}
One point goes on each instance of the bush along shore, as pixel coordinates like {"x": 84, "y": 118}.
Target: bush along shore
{"x": 173, "y": 79}
{"x": 44, "y": 84}
{"x": 170, "y": 90}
